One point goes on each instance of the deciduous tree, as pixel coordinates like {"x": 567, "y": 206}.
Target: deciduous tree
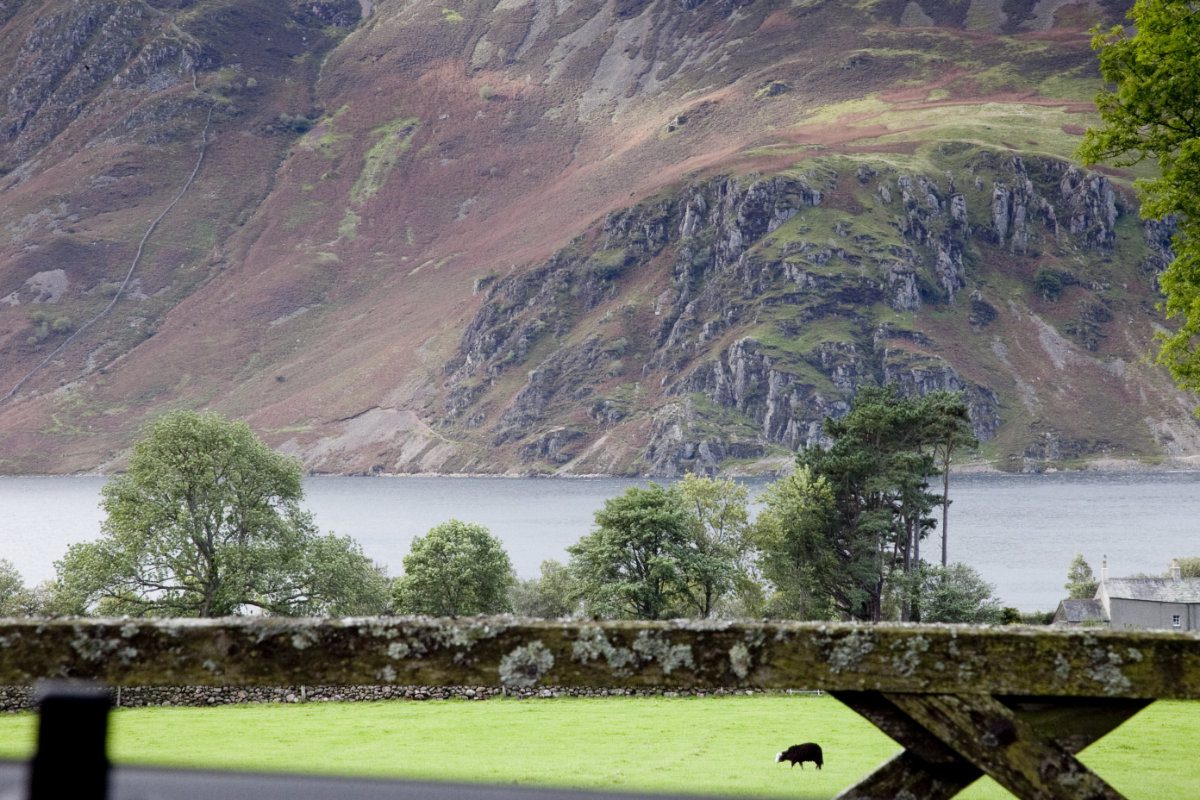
{"x": 638, "y": 562}
{"x": 1152, "y": 111}
{"x": 717, "y": 524}
{"x": 797, "y": 548}
{"x": 207, "y": 522}
{"x": 551, "y": 595}
{"x": 1189, "y": 567}
{"x": 1081, "y": 581}
{"x": 16, "y": 600}
{"x": 457, "y": 569}
{"x": 956, "y": 593}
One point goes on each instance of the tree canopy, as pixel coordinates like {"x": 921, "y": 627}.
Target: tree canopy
{"x": 15, "y": 599}
{"x": 855, "y": 512}
{"x": 1081, "y": 581}
{"x": 456, "y": 569}
{"x": 1189, "y": 567}
{"x": 638, "y": 562}
{"x": 947, "y": 422}
{"x": 792, "y": 534}
{"x": 1152, "y": 112}
{"x": 207, "y": 522}
{"x": 717, "y": 525}
{"x": 956, "y": 593}
{"x": 551, "y": 595}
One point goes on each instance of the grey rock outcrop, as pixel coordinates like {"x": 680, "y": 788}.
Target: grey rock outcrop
{"x": 764, "y": 327}
{"x": 1091, "y": 204}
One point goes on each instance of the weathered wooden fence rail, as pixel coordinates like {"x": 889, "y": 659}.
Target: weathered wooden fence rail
{"x": 1012, "y": 703}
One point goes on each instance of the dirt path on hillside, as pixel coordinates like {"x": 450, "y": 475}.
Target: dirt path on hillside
{"x": 121, "y": 290}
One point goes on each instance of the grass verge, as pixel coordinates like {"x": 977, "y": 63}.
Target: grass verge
{"x": 719, "y": 746}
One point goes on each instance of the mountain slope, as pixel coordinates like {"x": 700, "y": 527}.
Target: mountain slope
{"x": 532, "y": 236}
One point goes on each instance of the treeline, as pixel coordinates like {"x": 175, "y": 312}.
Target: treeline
{"x": 206, "y": 522}
{"x": 687, "y": 550}
{"x": 838, "y": 538}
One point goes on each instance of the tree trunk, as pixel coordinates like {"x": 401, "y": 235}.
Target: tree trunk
{"x": 945, "y": 505}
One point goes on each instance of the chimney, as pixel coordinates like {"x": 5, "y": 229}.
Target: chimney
{"x": 1104, "y": 569}
{"x": 1175, "y": 569}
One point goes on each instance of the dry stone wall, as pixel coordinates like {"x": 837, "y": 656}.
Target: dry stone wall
{"x": 22, "y": 698}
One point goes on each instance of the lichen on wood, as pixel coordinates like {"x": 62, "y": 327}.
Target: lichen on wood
{"x": 505, "y": 651}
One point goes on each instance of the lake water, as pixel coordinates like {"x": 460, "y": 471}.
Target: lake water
{"x": 1019, "y": 531}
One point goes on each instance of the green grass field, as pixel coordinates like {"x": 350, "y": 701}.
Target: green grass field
{"x": 680, "y": 745}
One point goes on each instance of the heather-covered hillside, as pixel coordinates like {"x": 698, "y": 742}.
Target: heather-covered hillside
{"x": 638, "y": 236}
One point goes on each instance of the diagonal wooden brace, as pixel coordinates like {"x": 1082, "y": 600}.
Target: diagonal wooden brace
{"x": 1074, "y": 722}
{"x": 1010, "y": 750}
{"x": 927, "y": 768}
{"x": 907, "y": 776}
{"x": 1026, "y": 744}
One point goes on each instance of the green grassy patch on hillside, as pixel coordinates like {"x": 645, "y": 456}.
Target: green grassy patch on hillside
{"x": 392, "y": 141}
{"x": 829, "y": 230}
{"x": 1075, "y": 84}
{"x": 713, "y": 420}
{"x": 794, "y": 346}
{"x": 721, "y": 746}
{"x": 1001, "y": 77}
{"x": 984, "y": 16}
{"x": 1032, "y": 128}
{"x": 348, "y": 227}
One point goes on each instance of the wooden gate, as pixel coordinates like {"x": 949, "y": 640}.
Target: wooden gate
{"x": 1011, "y": 702}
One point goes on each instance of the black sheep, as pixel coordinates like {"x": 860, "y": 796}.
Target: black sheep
{"x": 799, "y": 753}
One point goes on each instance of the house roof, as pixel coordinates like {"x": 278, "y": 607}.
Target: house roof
{"x": 1077, "y": 610}
{"x": 1162, "y": 590}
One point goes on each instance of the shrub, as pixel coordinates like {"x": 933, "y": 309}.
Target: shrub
{"x": 1048, "y": 284}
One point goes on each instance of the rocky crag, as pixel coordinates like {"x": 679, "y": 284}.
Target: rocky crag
{"x": 781, "y": 295}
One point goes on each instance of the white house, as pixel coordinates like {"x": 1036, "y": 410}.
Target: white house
{"x": 1170, "y": 603}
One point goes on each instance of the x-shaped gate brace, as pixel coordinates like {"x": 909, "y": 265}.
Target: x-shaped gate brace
{"x": 1026, "y": 744}
{"x": 1013, "y": 703}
